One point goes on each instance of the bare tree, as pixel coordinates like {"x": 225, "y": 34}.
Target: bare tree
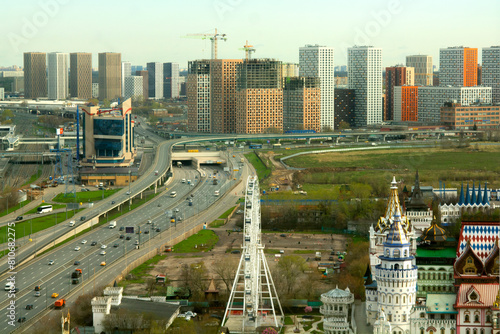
{"x": 226, "y": 270}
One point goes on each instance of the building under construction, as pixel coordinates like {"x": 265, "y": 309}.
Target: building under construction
{"x": 301, "y": 103}
{"x": 198, "y": 96}
{"x": 259, "y": 96}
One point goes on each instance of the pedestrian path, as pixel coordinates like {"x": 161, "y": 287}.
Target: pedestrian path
{"x": 291, "y": 329}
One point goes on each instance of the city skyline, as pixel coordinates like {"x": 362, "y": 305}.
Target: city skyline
{"x": 399, "y": 28}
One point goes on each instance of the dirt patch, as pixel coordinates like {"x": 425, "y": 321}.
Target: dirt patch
{"x": 280, "y": 175}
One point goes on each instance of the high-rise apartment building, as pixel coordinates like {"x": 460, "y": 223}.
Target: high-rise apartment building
{"x": 198, "y": 96}
{"x": 155, "y": 80}
{"x": 126, "y": 72}
{"x": 396, "y": 76}
{"x": 134, "y": 87}
{"x": 318, "y": 61}
{"x": 145, "y": 83}
{"x": 491, "y": 71}
{"x": 223, "y": 95}
{"x": 301, "y": 104}
{"x": 344, "y": 107}
{"x": 171, "y": 80}
{"x": 423, "y": 69}
{"x": 110, "y": 82}
{"x": 365, "y": 77}
{"x": 259, "y": 97}
{"x": 35, "y": 75}
{"x": 289, "y": 70}
{"x": 2, "y": 93}
{"x": 458, "y": 66}
{"x": 431, "y": 99}
{"x": 405, "y": 102}
{"x": 58, "y": 75}
{"x": 80, "y": 75}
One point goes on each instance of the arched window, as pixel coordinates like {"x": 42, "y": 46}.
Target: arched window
{"x": 482, "y": 330}
{"x": 474, "y": 330}
{"x": 396, "y": 266}
{"x": 389, "y": 299}
{"x": 397, "y": 300}
{"x": 476, "y": 318}
{"x": 404, "y": 299}
{"x": 387, "y": 252}
{"x": 452, "y": 331}
{"x": 422, "y": 315}
{"x": 422, "y": 331}
{"x": 488, "y": 317}
{"x": 443, "y": 331}
{"x": 383, "y": 299}
{"x": 396, "y": 253}
{"x": 467, "y": 318}
{"x": 406, "y": 253}
{"x": 467, "y": 331}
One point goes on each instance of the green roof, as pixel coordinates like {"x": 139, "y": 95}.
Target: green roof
{"x": 449, "y": 253}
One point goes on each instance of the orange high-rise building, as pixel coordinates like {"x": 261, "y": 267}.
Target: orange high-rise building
{"x": 259, "y": 97}
{"x": 302, "y": 104}
{"x": 406, "y": 103}
{"x": 458, "y": 67}
{"x": 223, "y": 94}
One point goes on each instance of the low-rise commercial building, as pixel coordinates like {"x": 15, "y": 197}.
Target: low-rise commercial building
{"x": 482, "y": 117}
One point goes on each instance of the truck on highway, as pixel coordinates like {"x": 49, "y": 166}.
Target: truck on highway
{"x": 179, "y": 164}
{"x": 60, "y": 303}
{"x": 215, "y": 182}
{"x": 112, "y": 224}
{"x": 318, "y": 256}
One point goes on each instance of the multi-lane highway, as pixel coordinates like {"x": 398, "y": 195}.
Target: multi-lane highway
{"x": 153, "y": 220}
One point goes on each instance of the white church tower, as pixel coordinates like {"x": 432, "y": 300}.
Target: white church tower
{"x": 396, "y": 277}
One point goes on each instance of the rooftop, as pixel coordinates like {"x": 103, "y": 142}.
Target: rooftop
{"x": 438, "y": 253}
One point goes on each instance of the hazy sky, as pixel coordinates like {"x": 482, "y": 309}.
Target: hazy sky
{"x": 152, "y": 30}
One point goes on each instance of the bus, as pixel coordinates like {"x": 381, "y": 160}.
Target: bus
{"x": 44, "y": 209}
{"x": 255, "y": 146}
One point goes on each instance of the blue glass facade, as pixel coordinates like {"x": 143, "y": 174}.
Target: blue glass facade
{"x": 108, "y": 147}
{"x": 109, "y": 127}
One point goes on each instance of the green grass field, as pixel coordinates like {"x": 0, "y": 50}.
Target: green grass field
{"x": 13, "y": 208}
{"x": 35, "y": 225}
{"x": 226, "y": 214}
{"x": 216, "y": 223}
{"x": 261, "y": 169}
{"x": 194, "y": 243}
{"x": 85, "y": 196}
{"x": 453, "y": 165}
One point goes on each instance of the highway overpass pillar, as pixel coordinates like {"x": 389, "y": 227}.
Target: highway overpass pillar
{"x": 337, "y": 140}
{"x": 357, "y": 139}
{"x": 309, "y": 140}
{"x": 384, "y": 137}
{"x": 156, "y": 187}
{"x": 141, "y": 194}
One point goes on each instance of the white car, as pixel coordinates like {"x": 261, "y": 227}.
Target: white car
{"x": 183, "y": 180}
{"x": 77, "y": 248}
{"x": 104, "y": 246}
{"x": 127, "y": 193}
{"x": 149, "y": 221}
{"x": 84, "y": 242}
{"x": 103, "y": 253}
{"x": 176, "y": 210}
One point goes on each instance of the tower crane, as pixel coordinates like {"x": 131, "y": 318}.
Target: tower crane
{"x": 213, "y": 38}
{"x": 248, "y": 50}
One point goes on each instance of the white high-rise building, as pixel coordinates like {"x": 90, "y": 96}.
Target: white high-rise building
{"x": 490, "y": 75}
{"x": 2, "y": 93}
{"x": 423, "y": 69}
{"x": 431, "y": 99}
{"x": 317, "y": 61}
{"x": 126, "y": 72}
{"x": 134, "y": 87}
{"x": 58, "y": 75}
{"x": 364, "y": 73}
{"x": 155, "y": 80}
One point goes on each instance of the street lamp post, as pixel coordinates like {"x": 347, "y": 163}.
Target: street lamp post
{"x": 129, "y": 181}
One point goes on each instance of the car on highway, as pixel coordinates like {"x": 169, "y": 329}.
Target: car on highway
{"x": 104, "y": 246}
{"x": 93, "y": 243}
{"x": 55, "y": 295}
{"x": 183, "y": 181}
{"x": 29, "y": 306}
{"x": 112, "y": 202}
{"x": 77, "y": 248}
{"x": 51, "y": 262}
{"x": 116, "y": 245}
{"x": 76, "y": 263}
{"x": 127, "y": 193}
{"x": 82, "y": 218}
{"x": 137, "y": 242}
{"x": 122, "y": 228}
{"x": 103, "y": 263}
{"x": 84, "y": 242}
{"x": 103, "y": 253}
{"x": 235, "y": 251}
{"x": 149, "y": 222}
{"x": 146, "y": 232}
{"x": 122, "y": 236}
{"x": 128, "y": 238}
{"x": 37, "y": 294}
{"x": 18, "y": 218}
{"x": 283, "y": 235}
{"x": 22, "y": 319}
{"x": 158, "y": 230}
{"x": 176, "y": 210}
